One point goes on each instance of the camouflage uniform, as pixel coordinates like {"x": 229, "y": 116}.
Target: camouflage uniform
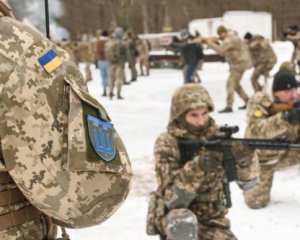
{"x": 87, "y": 55}
{"x": 295, "y": 39}
{"x": 187, "y": 186}
{"x": 236, "y": 54}
{"x": 262, "y": 124}
{"x": 116, "y": 69}
{"x": 143, "y": 49}
{"x": 263, "y": 58}
{"x": 35, "y": 107}
{"x": 19, "y": 219}
{"x": 132, "y": 56}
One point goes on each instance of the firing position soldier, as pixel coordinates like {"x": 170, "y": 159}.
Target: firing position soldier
{"x": 271, "y": 115}
{"x": 190, "y": 199}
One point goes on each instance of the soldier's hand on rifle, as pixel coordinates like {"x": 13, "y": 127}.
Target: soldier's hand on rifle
{"x": 293, "y": 116}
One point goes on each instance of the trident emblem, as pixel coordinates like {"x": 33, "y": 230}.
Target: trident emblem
{"x": 101, "y": 135}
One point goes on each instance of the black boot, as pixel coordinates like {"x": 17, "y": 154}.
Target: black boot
{"x": 104, "y": 93}
{"x": 226, "y": 110}
{"x": 120, "y": 97}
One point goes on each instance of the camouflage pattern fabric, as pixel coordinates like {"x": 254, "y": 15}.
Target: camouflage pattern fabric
{"x": 43, "y": 129}
{"x": 237, "y": 55}
{"x": 192, "y": 179}
{"x": 32, "y": 230}
{"x": 261, "y": 124}
{"x": 116, "y": 78}
{"x": 263, "y": 58}
{"x": 295, "y": 39}
{"x": 143, "y": 49}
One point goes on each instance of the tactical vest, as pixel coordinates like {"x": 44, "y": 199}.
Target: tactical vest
{"x": 58, "y": 143}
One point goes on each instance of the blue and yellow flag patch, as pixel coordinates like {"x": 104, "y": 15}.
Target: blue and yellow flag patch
{"x": 50, "y": 61}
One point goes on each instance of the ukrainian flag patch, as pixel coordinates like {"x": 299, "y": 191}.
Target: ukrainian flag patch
{"x": 50, "y": 61}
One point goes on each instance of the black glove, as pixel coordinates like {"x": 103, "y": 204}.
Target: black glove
{"x": 293, "y": 116}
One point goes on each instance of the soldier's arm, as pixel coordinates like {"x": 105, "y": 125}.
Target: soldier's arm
{"x": 180, "y": 182}
{"x": 293, "y": 37}
{"x": 223, "y": 48}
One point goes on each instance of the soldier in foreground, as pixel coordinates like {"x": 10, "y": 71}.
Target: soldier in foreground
{"x": 263, "y": 58}
{"x": 293, "y": 34}
{"x": 44, "y": 127}
{"x": 271, "y": 115}
{"x": 237, "y": 56}
{"x": 190, "y": 199}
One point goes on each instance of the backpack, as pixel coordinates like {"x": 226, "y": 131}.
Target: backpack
{"x": 58, "y": 142}
{"x": 112, "y": 50}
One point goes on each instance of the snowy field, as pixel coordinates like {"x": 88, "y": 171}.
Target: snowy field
{"x": 144, "y": 114}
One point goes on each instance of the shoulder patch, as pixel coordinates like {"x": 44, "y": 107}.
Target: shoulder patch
{"x": 50, "y": 61}
{"x": 258, "y": 113}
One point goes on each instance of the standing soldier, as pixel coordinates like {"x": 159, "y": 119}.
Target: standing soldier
{"x": 116, "y": 54}
{"x": 190, "y": 199}
{"x": 144, "y": 48}
{"x": 132, "y": 55}
{"x": 236, "y": 54}
{"x": 293, "y": 35}
{"x": 271, "y": 115}
{"x": 263, "y": 58}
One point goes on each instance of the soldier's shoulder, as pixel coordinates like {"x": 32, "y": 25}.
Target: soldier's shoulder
{"x": 16, "y": 38}
{"x": 165, "y": 140}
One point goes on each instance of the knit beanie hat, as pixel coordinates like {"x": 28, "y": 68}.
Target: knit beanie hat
{"x": 284, "y": 80}
{"x": 248, "y": 36}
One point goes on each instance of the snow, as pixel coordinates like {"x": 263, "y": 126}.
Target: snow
{"x": 144, "y": 114}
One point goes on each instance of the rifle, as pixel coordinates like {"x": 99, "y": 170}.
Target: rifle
{"x": 223, "y": 144}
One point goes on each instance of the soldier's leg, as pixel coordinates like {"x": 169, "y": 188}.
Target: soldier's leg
{"x": 112, "y": 79}
{"x": 237, "y": 77}
{"x": 141, "y": 65}
{"x": 289, "y": 159}
{"x": 215, "y": 233}
{"x": 147, "y": 65}
{"x": 120, "y": 75}
{"x": 88, "y": 73}
{"x": 259, "y": 196}
{"x": 182, "y": 225}
{"x": 258, "y": 70}
{"x": 230, "y": 89}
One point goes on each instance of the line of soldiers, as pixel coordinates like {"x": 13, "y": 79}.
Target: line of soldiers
{"x": 131, "y": 49}
{"x": 190, "y": 200}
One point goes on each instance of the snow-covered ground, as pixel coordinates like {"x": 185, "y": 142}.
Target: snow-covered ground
{"x": 144, "y": 114}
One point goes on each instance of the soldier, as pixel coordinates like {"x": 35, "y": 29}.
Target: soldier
{"x": 132, "y": 55}
{"x": 144, "y": 48}
{"x": 271, "y": 115}
{"x": 190, "y": 201}
{"x": 116, "y": 54}
{"x": 236, "y": 54}
{"x": 39, "y": 89}
{"x": 293, "y": 35}
{"x": 263, "y": 58}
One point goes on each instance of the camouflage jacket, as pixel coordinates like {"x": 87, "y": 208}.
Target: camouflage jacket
{"x": 261, "y": 51}
{"x": 200, "y": 189}
{"x": 234, "y": 51}
{"x": 295, "y": 39}
{"x": 262, "y": 124}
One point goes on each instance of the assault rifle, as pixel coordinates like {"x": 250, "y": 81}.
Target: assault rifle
{"x": 223, "y": 144}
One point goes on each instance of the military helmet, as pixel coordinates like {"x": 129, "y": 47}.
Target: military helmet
{"x": 190, "y": 96}
{"x": 288, "y": 66}
{"x": 221, "y": 29}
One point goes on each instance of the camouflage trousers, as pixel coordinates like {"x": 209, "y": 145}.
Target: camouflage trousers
{"x": 132, "y": 63}
{"x": 233, "y": 85}
{"x": 259, "y": 196}
{"x": 88, "y": 73}
{"x": 144, "y": 62}
{"x": 31, "y": 230}
{"x": 117, "y": 76}
{"x": 261, "y": 69}
{"x": 213, "y": 230}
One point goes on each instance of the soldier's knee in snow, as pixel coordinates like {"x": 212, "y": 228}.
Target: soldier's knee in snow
{"x": 182, "y": 224}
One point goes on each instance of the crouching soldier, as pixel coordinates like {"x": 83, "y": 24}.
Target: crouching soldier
{"x": 190, "y": 200}
{"x": 272, "y": 114}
